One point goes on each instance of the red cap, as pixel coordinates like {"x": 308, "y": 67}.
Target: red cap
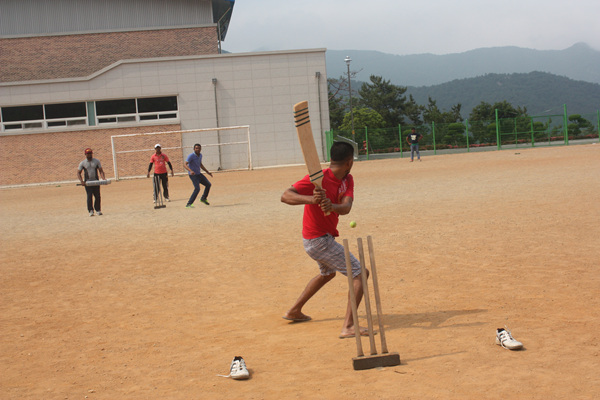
{"x": 88, "y": 151}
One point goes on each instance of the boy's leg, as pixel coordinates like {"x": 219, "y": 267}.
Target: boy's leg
{"x": 418, "y": 153}
{"x": 412, "y": 152}
{"x": 165, "y": 184}
{"x": 348, "y": 326}
{"x": 90, "y": 199}
{"x": 204, "y": 181}
{"x": 196, "y": 184}
{"x": 313, "y": 286}
{"x": 97, "y": 198}
{"x": 331, "y": 257}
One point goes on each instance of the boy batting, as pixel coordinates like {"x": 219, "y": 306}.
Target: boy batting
{"x": 322, "y": 207}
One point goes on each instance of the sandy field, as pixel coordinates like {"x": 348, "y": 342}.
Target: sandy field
{"x": 152, "y": 304}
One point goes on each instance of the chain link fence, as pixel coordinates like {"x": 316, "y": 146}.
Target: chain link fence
{"x": 469, "y": 136}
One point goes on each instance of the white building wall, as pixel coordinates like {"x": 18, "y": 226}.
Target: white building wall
{"x": 256, "y": 89}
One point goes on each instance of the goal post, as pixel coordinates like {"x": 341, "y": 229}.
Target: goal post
{"x": 223, "y": 149}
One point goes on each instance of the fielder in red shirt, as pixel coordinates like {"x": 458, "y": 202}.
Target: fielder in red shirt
{"x": 319, "y": 231}
{"x": 160, "y": 161}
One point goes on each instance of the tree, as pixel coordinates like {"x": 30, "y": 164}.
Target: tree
{"x": 455, "y": 135}
{"x": 337, "y": 108}
{"x": 413, "y": 111}
{"x": 443, "y": 121}
{"x": 363, "y": 117}
{"x": 579, "y": 125}
{"x": 385, "y": 98}
{"x": 370, "y": 119}
{"x": 432, "y": 113}
{"x": 510, "y": 119}
{"x": 339, "y": 99}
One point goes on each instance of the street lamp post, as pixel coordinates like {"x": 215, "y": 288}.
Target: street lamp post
{"x": 348, "y": 60}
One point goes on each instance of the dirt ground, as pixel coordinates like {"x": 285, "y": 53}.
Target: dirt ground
{"x": 153, "y": 304}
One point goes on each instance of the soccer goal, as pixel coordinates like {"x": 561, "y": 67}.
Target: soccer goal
{"x": 223, "y": 149}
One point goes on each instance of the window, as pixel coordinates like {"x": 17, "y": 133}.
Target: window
{"x": 114, "y": 107}
{"x": 66, "y": 110}
{"x": 156, "y": 104}
{"x": 24, "y": 113}
{"x": 49, "y": 116}
{"x": 65, "y": 114}
{"x": 132, "y": 110}
{"x": 43, "y": 116}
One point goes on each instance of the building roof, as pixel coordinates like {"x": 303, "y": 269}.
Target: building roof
{"x": 222, "y": 10}
{"x": 26, "y": 18}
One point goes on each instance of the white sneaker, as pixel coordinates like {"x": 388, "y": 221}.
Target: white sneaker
{"x": 91, "y": 213}
{"x": 99, "y": 212}
{"x": 505, "y": 339}
{"x": 238, "y": 369}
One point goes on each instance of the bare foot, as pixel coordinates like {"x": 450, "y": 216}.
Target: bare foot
{"x": 349, "y": 333}
{"x": 296, "y": 317}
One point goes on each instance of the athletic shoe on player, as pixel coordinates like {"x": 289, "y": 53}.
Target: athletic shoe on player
{"x": 167, "y": 199}
{"x": 189, "y": 206}
{"x": 99, "y": 212}
{"x": 205, "y": 202}
{"x": 91, "y": 213}
{"x": 505, "y": 339}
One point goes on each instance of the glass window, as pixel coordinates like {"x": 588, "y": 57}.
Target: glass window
{"x": 66, "y": 110}
{"x": 24, "y": 113}
{"x": 155, "y": 104}
{"x": 115, "y": 107}
{"x": 147, "y": 117}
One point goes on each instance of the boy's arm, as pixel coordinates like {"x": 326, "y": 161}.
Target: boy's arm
{"x": 186, "y": 166}
{"x": 342, "y": 208}
{"x": 205, "y": 170}
{"x": 293, "y": 198}
{"x": 79, "y": 176}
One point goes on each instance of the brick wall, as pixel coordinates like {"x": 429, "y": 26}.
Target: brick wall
{"x": 69, "y": 56}
{"x": 55, "y": 156}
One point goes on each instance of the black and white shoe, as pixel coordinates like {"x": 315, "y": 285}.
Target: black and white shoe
{"x": 504, "y": 338}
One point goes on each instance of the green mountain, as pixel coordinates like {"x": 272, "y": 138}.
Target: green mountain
{"x": 540, "y": 92}
{"x": 578, "y": 62}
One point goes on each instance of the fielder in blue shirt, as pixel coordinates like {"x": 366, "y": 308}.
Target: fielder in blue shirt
{"x": 193, "y": 164}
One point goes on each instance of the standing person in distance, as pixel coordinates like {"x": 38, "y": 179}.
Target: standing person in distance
{"x": 319, "y": 231}
{"x": 93, "y": 172}
{"x": 193, "y": 164}
{"x": 413, "y": 139}
{"x": 160, "y": 170}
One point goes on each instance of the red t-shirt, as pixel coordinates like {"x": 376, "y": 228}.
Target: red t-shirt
{"x": 314, "y": 223}
{"x": 160, "y": 163}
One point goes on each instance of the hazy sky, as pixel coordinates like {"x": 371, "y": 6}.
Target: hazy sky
{"x": 412, "y": 27}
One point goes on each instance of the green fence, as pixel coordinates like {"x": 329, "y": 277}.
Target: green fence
{"x": 469, "y": 136}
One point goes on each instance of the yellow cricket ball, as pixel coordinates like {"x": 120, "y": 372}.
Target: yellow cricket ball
{"x": 353, "y": 224}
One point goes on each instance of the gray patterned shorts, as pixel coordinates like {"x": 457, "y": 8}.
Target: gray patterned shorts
{"x": 329, "y": 254}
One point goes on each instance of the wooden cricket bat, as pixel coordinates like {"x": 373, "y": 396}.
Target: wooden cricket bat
{"x": 96, "y": 183}
{"x": 307, "y": 143}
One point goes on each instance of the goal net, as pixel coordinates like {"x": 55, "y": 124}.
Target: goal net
{"x": 223, "y": 149}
